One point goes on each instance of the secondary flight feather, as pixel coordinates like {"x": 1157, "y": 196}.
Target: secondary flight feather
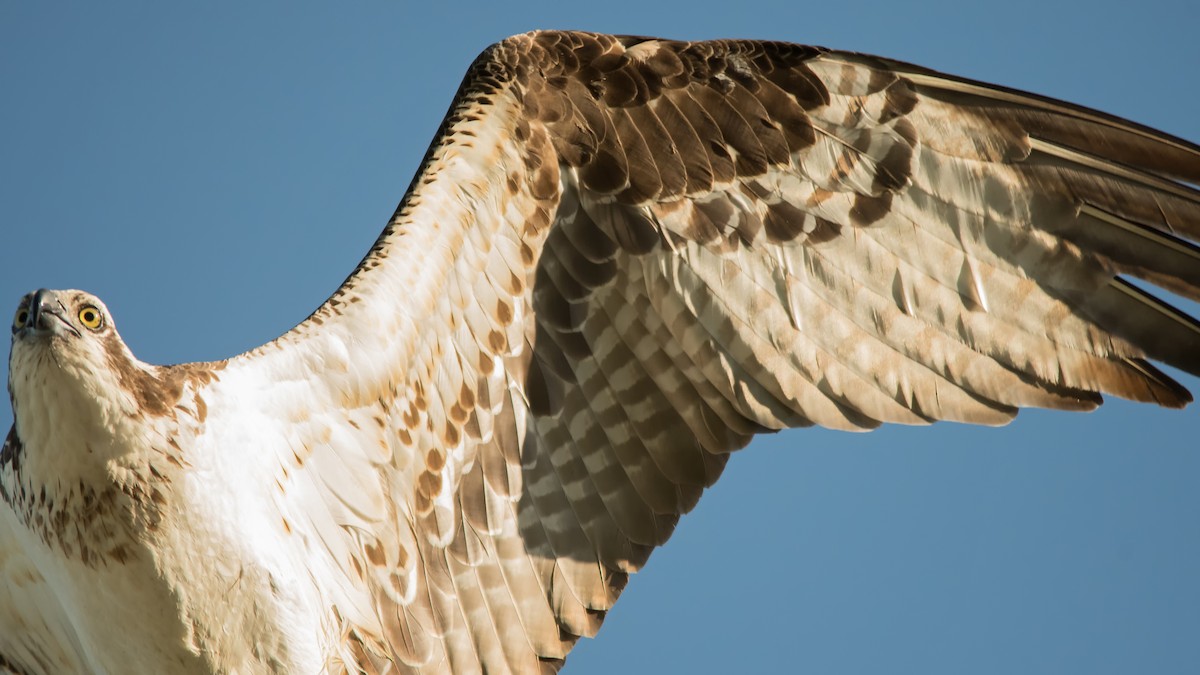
{"x": 621, "y": 259}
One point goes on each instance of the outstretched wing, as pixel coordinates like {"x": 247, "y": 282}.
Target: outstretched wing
{"x": 623, "y": 257}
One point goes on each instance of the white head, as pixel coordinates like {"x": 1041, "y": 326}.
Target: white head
{"x": 65, "y": 340}
{"x": 69, "y": 331}
{"x": 69, "y": 370}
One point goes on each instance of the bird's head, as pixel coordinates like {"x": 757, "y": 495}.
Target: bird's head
{"x": 72, "y": 329}
{"x": 64, "y": 339}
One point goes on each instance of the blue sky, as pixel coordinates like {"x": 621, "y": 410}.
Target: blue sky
{"x": 213, "y": 173}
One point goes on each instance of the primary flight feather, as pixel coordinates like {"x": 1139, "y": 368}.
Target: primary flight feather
{"x": 620, "y": 260}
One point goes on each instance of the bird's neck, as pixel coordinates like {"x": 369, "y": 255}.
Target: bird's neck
{"x": 71, "y": 430}
{"x": 72, "y": 479}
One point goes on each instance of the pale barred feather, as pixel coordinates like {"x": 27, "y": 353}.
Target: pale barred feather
{"x": 46, "y": 639}
{"x": 622, "y": 259}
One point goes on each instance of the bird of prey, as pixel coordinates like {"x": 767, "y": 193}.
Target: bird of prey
{"x": 621, "y": 259}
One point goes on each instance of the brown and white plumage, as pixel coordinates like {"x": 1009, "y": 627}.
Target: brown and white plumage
{"x": 621, "y": 259}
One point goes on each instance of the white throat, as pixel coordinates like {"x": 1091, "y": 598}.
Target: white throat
{"x": 81, "y": 412}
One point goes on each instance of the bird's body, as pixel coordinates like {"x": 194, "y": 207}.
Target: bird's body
{"x": 621, "y": 259}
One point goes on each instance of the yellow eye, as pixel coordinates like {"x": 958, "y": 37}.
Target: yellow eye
{"x": 91, "y": 317}
{"x": 20, "y": 319}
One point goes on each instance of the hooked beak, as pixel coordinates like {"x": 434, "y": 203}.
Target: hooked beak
{"x": 47, "y": 314}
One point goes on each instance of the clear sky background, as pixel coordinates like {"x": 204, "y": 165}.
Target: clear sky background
{"x": 214, "y": 172}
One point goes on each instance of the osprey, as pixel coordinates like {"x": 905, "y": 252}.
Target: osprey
{"x": 621, "y": 259}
